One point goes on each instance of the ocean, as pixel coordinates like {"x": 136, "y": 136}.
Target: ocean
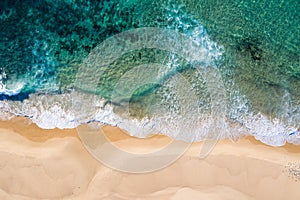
{"x": 190, "y": 69}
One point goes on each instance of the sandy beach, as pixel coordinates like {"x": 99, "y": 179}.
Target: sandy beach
{"x": 53, "y": 164}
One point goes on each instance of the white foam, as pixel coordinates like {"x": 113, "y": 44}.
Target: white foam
{"x": 9, "y": 92}
{"x": 4, "y": 91}
{"x": 47, "y": 111}
{"x": 57, "y": 111}
{"x": 186, "y": 23}
{"x": 272, "y": 132}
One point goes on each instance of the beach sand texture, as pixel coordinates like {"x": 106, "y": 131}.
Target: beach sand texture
{"x": 53, "y": 164}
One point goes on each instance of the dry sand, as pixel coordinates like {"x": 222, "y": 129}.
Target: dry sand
{"x": 53, "y": 164}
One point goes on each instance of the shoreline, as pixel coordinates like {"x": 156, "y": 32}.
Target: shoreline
{"x": 31, "y": 131}
{"x": 53, "y": 164}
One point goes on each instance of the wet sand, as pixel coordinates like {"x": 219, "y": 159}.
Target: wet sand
{"x": 53, "y": 164}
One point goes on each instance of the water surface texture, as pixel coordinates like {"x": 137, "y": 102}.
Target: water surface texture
{"x": 246, "y": 80}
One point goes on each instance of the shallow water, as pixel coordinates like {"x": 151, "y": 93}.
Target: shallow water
{"x": 56, "y": 63}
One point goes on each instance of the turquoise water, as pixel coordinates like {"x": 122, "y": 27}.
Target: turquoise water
{"x": 251, "y": 46}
